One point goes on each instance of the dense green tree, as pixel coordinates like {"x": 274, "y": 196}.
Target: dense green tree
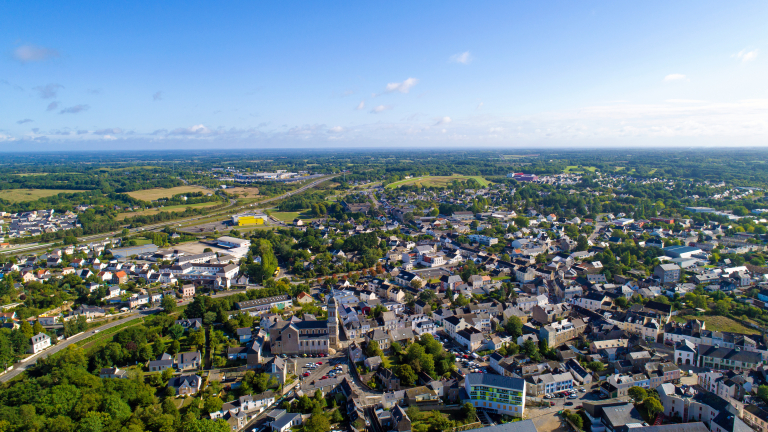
{"x": 168, "y": 304}
{"x": 637, "y": 393}
{"x": 469, "y": 411}
{"x": 653, "y": 406}
{"x": 406, "y": 374}
{"x": 176, "y": 331}
{"x": 318, "y": 422}
{"x": 514, "y": 326}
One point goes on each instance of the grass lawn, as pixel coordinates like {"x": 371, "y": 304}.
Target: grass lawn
{"x": 439, "y": 181}
{"x": 157, "y": 193}
{"x": 500, "y": 278}
{"x": 289, "y": 216}
{"x": 386, "y": 361}
{"x": 19, "y": 195}
{"x": 575, "y": 169}
{"x": 719, "y": 323}
{"x": 175, "y": 208}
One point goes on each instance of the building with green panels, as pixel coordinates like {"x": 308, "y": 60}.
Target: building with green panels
{"x": 499, "y": 394}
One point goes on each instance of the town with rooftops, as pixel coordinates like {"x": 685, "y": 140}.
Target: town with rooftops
{"x": 518, "y": 303}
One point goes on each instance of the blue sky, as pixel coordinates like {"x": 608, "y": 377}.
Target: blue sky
{"x": 374, "y": 74}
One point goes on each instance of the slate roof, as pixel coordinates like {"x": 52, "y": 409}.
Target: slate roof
{"x": 678, "y": 427}
{"x": 729, "y": 354}
{"x": 491, "y": 380}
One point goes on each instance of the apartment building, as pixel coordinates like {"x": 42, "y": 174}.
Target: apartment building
{"x": 716, "y": 357}
{"x": 259, "y": 306}
{"x": 548, "y": 383}
{"x": 560, "y": 332}
{"x": 495, "y": 393}
{"x": 667, "y": 273}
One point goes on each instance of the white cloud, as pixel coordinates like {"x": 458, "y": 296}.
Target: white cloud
{"x": 480, "y": 105}
{"x": 360, "y": 106}
{"x": 403, "y": 87}
{"x": 108, "y": 131}
{"x": 674, "y": 77}
{"x": 48, "y": 91}
{"x": 74, "y": 109}
{"x": 381, "y": 108}
{"x": 52, "y": 106}
{"x": 336, "y": 129}
{"x": 31, "y": 53}
{"x": 685, "y": 101}
{"x": 746, "y": 56}
{"x": 194, "y": 130}
{"x": 157, "y": 96}
{"x": 24, "y": 121}
{"x": 443, "y": 121}
{"x": 463, "y": 58}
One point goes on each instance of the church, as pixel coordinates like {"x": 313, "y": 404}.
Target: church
{"x": 306, "y": 336}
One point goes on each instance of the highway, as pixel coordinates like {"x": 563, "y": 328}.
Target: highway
{"x": 156, "y": 227}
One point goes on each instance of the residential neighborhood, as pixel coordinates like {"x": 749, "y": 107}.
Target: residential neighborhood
{"x": 397, "y": 307}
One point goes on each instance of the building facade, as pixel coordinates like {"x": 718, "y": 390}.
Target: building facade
{"x": 499, "y": 394}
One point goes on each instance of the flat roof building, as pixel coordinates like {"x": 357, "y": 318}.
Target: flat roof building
{"x": 126, "y": 252}
{"x": 232, "y": 242}
{"x": 496, "y": 393}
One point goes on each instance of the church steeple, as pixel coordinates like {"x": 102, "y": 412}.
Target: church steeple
{"x": 333, "y": 323}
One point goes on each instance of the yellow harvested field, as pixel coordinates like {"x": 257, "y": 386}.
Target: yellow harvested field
{"x": 19, "y": 195}
{"x": 157, "y": 193}
{"x": 176, "y": 208}
{"x": 243, "y": 192}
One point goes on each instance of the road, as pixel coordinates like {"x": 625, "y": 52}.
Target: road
{"x": 24, "y": 365}
{"x": 598, "y": 226}
{"x": 322, "y": 370}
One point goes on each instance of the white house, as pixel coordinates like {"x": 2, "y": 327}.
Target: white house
{"x": 39, "y": 342}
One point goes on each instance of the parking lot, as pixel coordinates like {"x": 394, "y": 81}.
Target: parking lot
{"x": 545, "y": 418}
{"x": 319, "y": 368}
